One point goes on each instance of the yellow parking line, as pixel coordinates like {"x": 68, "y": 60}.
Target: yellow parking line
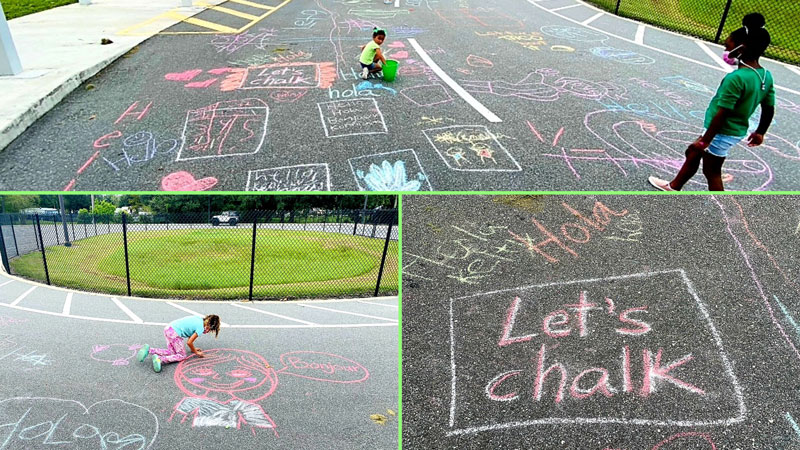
{"x": 254, "y": 5}
{"x": 232, "y": 12}
{"x": 210, "y": 25}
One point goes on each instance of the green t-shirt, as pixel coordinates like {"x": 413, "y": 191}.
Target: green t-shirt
{"x": 740, "y": 91}
{"x": 368, "y": 55}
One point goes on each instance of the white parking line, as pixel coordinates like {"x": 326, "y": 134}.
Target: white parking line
{"x": 194, "y": 313}
{"x": 272, "y": 314}
{"x": 24, "y": 294}
{"x": 67, "y": 304}
{"x": 348, "y": 312}
{"x": 639, "y": 38}
{"x": 127, "y": 311}
{"x": 592, "y": 19}
{"x": 379, "y": 304}
{"x": 565, "y": 7}
{"x": 717, "y": 59}
{"x": 453, "y": 85}
{"x": 792, "y": 68}
{"x": 3, "y": 284}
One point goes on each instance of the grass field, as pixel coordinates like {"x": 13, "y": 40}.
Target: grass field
{"x": 702, "y": 17}
{"x": 19, "y": 8}
{"x": 215, "y": 263}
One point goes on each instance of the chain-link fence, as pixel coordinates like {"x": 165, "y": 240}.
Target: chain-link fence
{"x": 714, "y": 20}
{"x": 256, "y": 254}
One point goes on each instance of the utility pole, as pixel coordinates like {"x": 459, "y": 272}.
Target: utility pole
{"x": 9, "y": 59}
{"x": 64, "y": 221}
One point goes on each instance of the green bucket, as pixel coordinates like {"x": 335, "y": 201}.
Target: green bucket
{"x": 389, "y": 70}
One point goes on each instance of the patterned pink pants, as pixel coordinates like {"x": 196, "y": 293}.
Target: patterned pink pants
{"x": 174, "y": 351}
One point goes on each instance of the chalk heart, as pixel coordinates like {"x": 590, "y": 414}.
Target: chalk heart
{"x": 40, "y": 422}
{"x": 184, "y": 181}
{"x": 397, "y": 44}
{"x": 400, "y": 55}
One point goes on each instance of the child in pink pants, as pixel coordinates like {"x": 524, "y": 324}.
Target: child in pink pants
{"x": 190, "y": 327}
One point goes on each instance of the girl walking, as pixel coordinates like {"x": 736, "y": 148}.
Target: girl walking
{"x": 728, "y": 114}
{"x": 190, "y": 327}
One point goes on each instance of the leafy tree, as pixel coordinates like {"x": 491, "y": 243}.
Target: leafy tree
{"x": 84, "y": 216}
{"x": 104, "y": 208}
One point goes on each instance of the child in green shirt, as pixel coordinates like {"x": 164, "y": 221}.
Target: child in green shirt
{"x": 728, "y": 114}
{"x": 371, "y": 54}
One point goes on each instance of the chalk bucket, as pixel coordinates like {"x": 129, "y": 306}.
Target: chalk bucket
{"x": 389, "y": 70}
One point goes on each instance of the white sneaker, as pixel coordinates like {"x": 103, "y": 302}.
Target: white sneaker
{"x": 365, "y": 73}
{"x": 660, "y": 184}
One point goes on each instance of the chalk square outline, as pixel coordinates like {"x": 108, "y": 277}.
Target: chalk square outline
{"x": 186, "y": 124}
{"x": 421, "y": 169}
{"x": 327, "y": 175}
{"x": 317, "y": 77}
{"x": 494, "y": 138}
{"x": 739, "y": 397}
{"x": 374, "y": 102}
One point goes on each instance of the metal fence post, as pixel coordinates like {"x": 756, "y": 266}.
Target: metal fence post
{"x": 253, "y": 259}
{"x": 44, "y": 257}
{"x": 3, "y": 254}
{"x": 125, "y": 241}
{"x": 722, "y": 21}
{"x": 616, "y": 10}
{"x": 55, "y": 225}
{"x": 355, "y": 223}
{"x": 383, "y": 259}
{"x": 14, "y": 234}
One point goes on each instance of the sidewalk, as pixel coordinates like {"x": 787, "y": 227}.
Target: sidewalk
{"x": 60, "y": 48}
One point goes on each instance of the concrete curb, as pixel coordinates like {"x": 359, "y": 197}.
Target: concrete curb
{"x": 41, "y": 107}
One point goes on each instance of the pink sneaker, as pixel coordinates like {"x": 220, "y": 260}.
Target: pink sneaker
{"x": 658, "y": 183}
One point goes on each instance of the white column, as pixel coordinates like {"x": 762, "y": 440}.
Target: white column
{"x": 9, "y": 59}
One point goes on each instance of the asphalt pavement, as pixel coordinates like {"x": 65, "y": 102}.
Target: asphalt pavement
{"x": 281, "y": 375}
{"x": 601, "y": 322}
{"x": 513, "y": 95}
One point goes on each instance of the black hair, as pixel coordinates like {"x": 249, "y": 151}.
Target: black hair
{"x": 753, "y": 35}
{"x": 378, "y": 32}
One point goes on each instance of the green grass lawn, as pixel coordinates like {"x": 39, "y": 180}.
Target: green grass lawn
{"x": 215, "y": 263}
{"x": 702, "y": 17}
{"x": 19, "y": 8}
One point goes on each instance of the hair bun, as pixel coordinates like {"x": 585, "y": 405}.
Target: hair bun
{"x": 754, "y": 21}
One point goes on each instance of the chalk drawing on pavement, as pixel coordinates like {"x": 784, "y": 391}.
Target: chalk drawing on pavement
{"x": 471, "y": 148}
{"x": 573, "y": 33}
{"x": 303, "y": 177}
{"x": 226, "y": 128}
{"x": 116, "y": 354}
{"x": 427, "y": 94}
{"x": 42, "y": 421}
{"x": 622, "y": 56}
{"x": 587, "y": 354}
{"x": 390, "y": 171}
{"x": 351, "y": 117}
{"x": 320, "y": 366}
{"x": 223, "y": 390}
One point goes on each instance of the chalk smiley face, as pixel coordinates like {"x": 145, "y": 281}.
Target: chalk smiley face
{"x": 227, "y": 374}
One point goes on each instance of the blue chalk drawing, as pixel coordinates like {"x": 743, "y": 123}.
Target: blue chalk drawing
{"x": 366, "y": 85}
{"x": 388, "y": 177}
{"x": 794, "y": 424}
{"x": 788, "y": 316}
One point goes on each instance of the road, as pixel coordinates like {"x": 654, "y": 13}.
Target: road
{"x": 606, "y": 322}
{"x": 70, "y": 376}
{"x": 513, "y": 95}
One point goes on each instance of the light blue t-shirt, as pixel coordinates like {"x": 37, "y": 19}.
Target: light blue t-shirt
{"x": 188, "y": 326}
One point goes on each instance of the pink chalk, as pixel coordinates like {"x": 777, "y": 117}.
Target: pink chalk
{"x": 185, "y": 181}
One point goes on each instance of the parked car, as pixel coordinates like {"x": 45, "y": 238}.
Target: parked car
{"x": 226, "y": 218}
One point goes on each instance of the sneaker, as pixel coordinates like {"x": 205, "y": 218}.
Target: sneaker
{"x": 143, "y": 352}
{"x": 156, "y": 363}
{"x": 658, "y": 183}
{"x": 365, "y": 73}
